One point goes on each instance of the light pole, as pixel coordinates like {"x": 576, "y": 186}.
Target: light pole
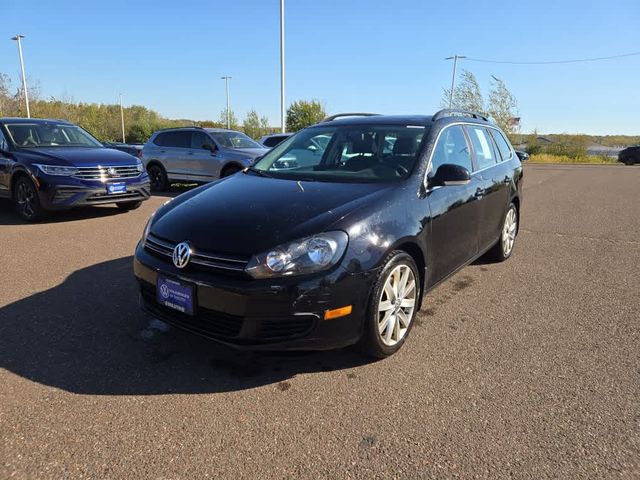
{"x": 453, "y": 77}
{"x": 122, "y": 119}
{"x": 17, "y": 38}
{"x": 283, "y": 119}
{"x": 226, "y": 79}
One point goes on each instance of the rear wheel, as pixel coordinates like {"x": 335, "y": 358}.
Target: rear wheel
{"x": 504, "y": 247}
{"x": 392, "y": 307}
{"x": 25, "y": 196}
{"x": 126, "y": 206}
{"x": 158, "y": 178}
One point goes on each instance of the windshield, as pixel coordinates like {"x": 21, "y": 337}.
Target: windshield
{"x": 234, "y": 140}
{"x": 351, "y": 153}
{"x": 33, "y": 135}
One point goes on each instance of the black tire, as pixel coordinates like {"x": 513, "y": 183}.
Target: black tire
{"x": 372, "y": 342}
{"x": 27, "y": 201}
{"x": 158, "y": 178}
{"x": 230, "y": 170}
{"x": 126, "y": 206}
{"x": 502, "y": 250}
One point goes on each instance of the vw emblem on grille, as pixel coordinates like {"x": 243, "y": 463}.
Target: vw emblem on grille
{"x": 181, "y": 254}
{"x": 112, "y": 171}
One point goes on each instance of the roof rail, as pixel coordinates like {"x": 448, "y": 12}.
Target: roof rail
{"x": 178, "y": 128}
{"x": 340, "y": 115}
{"x": 456, "y": 112}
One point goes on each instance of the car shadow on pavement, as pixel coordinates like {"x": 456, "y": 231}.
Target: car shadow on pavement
{"x": 8, "y": 216}
{"x": 87, "y": 336}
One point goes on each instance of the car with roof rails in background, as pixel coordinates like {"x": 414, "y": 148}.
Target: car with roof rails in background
{"x": 340, "y": 245}
{"x": 273, "y": 139}
{"x": 196, "y": 154}
{"x": 54, "y": 165}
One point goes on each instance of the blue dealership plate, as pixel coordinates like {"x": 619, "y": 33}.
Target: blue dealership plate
{"x": 174, "y": 294}
{"x": 120, "y": 187}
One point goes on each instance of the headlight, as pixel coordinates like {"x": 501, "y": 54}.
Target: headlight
{"x": 139, "y": 165}
{"x": 147, "y": 228}
{"x": 57, "y": 170}
{"x": 307, "y": 255}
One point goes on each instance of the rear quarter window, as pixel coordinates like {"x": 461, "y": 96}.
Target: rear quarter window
{"x": 503, "y": 146}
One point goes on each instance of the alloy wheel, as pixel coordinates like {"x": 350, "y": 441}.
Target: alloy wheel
{"x": 396, "y": 305}
{"x": 509, "y": 231}
{"x": 25, "y": 198}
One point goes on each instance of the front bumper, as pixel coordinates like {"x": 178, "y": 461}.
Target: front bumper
{"x": 275, "y": 314}
{"x": 58, "y": 193}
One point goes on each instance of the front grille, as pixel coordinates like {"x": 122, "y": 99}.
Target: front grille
{"x": 207, "y": 260}
{"x": 107, "y": 173}
{"x": 283, "y": 328}
{"x": 208, "y": 323}
{"x": 114, "y": 197}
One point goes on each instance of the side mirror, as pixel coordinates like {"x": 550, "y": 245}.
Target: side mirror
{"x": 449, "y": 174}
{"x": 523, "y": 156}
{"x": 210, "y": 147}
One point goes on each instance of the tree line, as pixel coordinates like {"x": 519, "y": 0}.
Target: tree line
{"x": 103, "y": 120}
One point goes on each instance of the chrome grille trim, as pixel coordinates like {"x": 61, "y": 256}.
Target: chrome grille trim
{"x": 213, "y": 261}
{"x": 102, "y": 172}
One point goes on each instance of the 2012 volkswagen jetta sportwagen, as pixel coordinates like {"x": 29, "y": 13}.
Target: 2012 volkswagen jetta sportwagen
{"x": 333, "y": 237}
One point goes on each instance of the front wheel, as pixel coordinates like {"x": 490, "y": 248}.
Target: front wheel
{"x": 504, "y": 247}
{"x": 27, "y": 201}
{"x": 392, "y": 307}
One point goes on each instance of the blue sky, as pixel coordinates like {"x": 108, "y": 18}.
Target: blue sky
{"x": 353, "y": 55}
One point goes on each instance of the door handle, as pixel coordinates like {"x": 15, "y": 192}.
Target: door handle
{"x": 506, "y": 180}
{"x": 479, "y": 193}
{"x": 189, "y": 153}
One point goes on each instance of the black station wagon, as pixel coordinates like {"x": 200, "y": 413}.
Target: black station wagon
{"x": 333, "y": 237}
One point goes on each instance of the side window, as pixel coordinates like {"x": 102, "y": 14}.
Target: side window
{"x": 160, "y": 139}
{"x": 452, "y": 147}
{"x": 482, "y": 146}
{"x": 3, "y": 142}
{"x": 179, "y": 139}
{"x": 503, "y": 145}
{"x": 198, "y": 139}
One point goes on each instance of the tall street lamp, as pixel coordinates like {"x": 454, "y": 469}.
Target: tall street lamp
{"x": 17, "y": 38}
{"x": 122, "y": 119}
{"x": 283, "y": 119}
{"x": 455, "y": 59}
{"x": 226, "y": 79}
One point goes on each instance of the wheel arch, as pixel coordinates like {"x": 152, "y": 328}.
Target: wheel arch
{"x": 414, "y": 250}
{"x": 228, "y": 165}
{"x": 17, "y": 174}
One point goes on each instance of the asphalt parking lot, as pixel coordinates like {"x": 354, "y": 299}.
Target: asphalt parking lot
{"x": 529, "y": 368}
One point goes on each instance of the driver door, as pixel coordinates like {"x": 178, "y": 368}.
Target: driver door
{"x": 5, "y": 166}
{"x": 455, "y": 209}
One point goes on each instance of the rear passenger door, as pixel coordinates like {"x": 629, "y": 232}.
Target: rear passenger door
{"x": 176, "y": 146}
{"x": 494, "y": 185}
{"x": 5, "y": 166}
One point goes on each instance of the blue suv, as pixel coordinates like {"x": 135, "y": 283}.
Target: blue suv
{"x": 54, "y": 165}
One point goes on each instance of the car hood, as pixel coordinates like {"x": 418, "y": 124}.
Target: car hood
{"x": 248, "y": 152}
{"x": 245, "y": 214}
{"x": 76, "y": 156}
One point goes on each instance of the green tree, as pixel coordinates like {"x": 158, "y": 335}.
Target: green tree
{"x": 256, "y": 126}
{"x": 233, "y": 120}
{"x": 502, "y": 106}
{"x": 303, "y": 113}
{"x": 466, "y": 95}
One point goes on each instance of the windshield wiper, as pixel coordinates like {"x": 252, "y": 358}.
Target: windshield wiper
{"x": 262, "y": 173}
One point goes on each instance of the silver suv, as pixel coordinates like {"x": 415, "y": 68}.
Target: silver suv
{"x": 194, "y": 154}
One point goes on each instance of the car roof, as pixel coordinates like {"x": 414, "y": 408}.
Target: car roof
{"x": 443, "y": 117}
{"x": 33, "y": 120}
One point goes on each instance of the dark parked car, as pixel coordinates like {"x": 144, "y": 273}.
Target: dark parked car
{"x": 130, "y": 148}
{"x": 340, "y": 251}
{"x": 53, "y": 165}
{"x": 194, "y": 154}
{"x": 630, "y": 155}
{"x": 270, "y": 141}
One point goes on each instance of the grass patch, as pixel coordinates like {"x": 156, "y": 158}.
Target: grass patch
{"x": 587, "y": 159}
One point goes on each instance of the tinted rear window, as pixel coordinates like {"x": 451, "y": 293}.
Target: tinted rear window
{"x": 503, "y": 146}
{"x": 181, "y": 139}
